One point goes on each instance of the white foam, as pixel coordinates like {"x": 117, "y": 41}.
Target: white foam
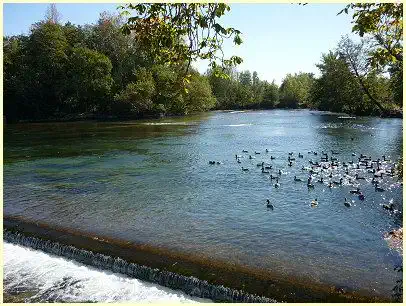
{"x": 45, "y": 274}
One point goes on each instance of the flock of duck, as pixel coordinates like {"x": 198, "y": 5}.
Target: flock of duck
{"x": 324, "y": 170}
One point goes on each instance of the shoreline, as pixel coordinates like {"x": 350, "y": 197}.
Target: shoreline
{"x": 109, "y": 118}
{"x": 252, "y": 281}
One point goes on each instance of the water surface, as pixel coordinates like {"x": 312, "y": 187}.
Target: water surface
{"x": 150, "y": 182}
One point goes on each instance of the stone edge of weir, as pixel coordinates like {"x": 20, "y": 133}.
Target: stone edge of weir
{"x": 218, "y": 281}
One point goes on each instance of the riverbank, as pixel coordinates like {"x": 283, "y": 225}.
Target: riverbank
{"x": 249, "y": 280}
{"x": 101, "y": 117}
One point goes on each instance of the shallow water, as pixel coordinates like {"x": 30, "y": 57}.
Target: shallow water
{"x": 38, "y": 277}
{"x": 150, "y": 182}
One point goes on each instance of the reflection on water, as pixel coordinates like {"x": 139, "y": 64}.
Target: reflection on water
{"x": 150, "y": 182}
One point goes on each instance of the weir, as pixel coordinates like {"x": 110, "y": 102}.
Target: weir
{"x": 189, "y": 285}
{"x": 196, "y": 276}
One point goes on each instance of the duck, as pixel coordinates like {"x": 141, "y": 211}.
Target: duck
{"x": 268, "y": 204}
{"x": 212, "y": 162}
{"x": 355, "y": 191}
{"x": 268, "y": 167}
{"x": 297, "y": 179}
{"x": 272, "y": 157}
{"x": 357, "y": 177}
{"x": 346, "y": 203}
{"x": 244, "y": 169}
{"x": 239, "y": 161}
{"x": 290, "y": 153}
{"x": 338, "y": 183}
{"x": 314, "y": 203}
{"x": 320, "y": 180}
{"x": 277, "y": 183}
{"x": 353, "y": 154}
{"x": 263, "y": 171}
{"x": 388, "y": 207}
{"x": 244, "y": 151}
{"x": 300, "y": 155}
{"x": 251, "y": 157}
{"x": 378, "y": 175}
{"x": 309, "y": 185}
{"x": 290, "y": 158}
{"x": 266, "y": 150}
{"x": 257, "y": 152}
{"x": 361, "y": 196}
{"x": 330, "y": 185}
{"x": 218, "y": 163}
{"x": 260, "y": 164}
{"x": 279, "y": 172}
{"x": 290, "y": 164}
{"x": 273, "y": 177}
{"x": 380, "y": 189}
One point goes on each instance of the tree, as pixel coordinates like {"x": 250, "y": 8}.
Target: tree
{"x": 383, "y": 22}
{"x": 270, "y": 95}
{"x": 181, "y": 32}
{"x": 199, "y": 97}
{"x": 52, "y": 15}
{"x": 295, "y": 90}
{"x": 136, "y": 98}
{"x": 90, "y": 80}
{"x": 356, "y": 56}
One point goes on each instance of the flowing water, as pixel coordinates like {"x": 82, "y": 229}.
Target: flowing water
{"x": 38, "y": 277}
{"x": 151, "y": 182}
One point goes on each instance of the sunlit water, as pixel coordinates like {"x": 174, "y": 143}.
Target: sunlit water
{"x": 150, "y": 182}
{"x": 39, "y": 277}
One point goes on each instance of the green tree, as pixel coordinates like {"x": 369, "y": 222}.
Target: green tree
{"x": 295, "y": 90}
{"x": 181, "y": 33}
{"x": 384, "y": 23}
{"x": 137, "y": 97}
{"x": 90, "y": 80}
{"x": 199, "y": 97}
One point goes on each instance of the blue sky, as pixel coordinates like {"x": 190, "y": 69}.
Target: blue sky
{"x": 278, "y": 38}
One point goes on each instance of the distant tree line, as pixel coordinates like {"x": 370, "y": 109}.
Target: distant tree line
{"x": 66, "y": 71}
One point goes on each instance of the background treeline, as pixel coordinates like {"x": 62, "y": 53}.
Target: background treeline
{"x": 61, "y": 72}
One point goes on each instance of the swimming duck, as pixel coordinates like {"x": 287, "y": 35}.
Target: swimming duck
{"x": 244, "y": 151}
{"x": 268, "y": 204}
{"x": 300, "y": 155}
{"x": 357, "y": 177}
{"x": 268, "y": 167}
{"x": 263, "y": 171}
{"x": 239, "y": 161}
{"x": 277, "y": 183}
{"x": 309, "y": 185}
{"x": 212, "y": 162}
{"x": 380, "y": 189}
{"x": 290, "y": 164}
{"x": 388, "y": 207}
{"x": 361, "y": 196}
{"x": 244, "y": 169}
{"x": 330, "y": 185}
{"x": 272, "y": 157}
{"x": 290, "y": 158}
{"x": 355, "y": 191}
{"x": 314, "y": 203}
{"x": 338, "y": 183}
{"x": 251, "y": 157}
{"x": 257, "y": 152}
{"x": 273, "y": 177}
{"x": 290, "y": 153}
{"x": 320, "y": 180}
{"x": 380, "y": 174}
{"x": 297, "y": 179}
{"x": 353, "y": 154}
{"x": 266, "y": 150}
{"x": 346, "y": 203}
{"x": 260, "y": 164}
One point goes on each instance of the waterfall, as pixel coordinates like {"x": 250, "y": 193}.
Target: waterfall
{"x": 190, "y": 285}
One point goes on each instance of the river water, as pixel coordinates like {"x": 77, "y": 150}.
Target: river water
{"x": 151, "y": 182}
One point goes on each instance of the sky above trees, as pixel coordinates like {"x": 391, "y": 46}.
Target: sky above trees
{"x": 277, "y": 38}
